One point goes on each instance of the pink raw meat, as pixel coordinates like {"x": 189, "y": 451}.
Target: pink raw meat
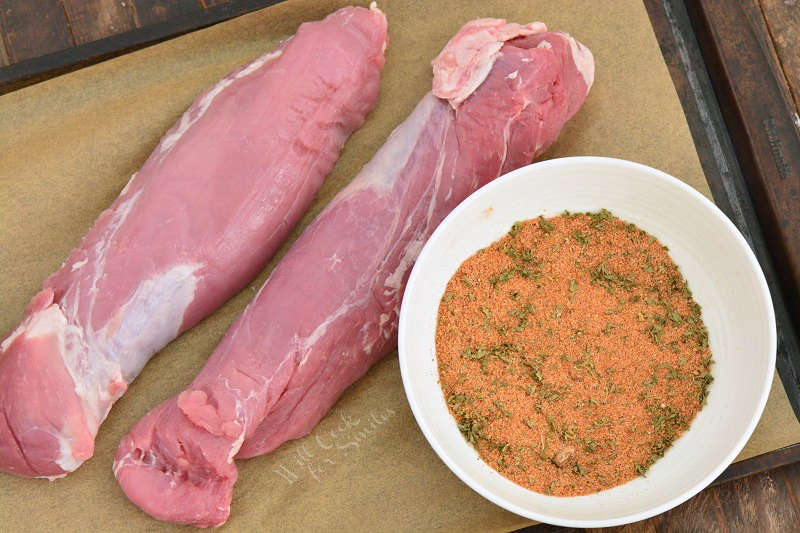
{"x": 209, "y": 207}
{"x": 330, "y": 308}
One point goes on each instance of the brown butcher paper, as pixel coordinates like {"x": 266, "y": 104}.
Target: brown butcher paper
{"x": 68, "y": 146}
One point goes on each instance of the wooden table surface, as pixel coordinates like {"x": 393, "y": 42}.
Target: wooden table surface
{"x": 41, "y": 38}
{"x": 33, "y": 28}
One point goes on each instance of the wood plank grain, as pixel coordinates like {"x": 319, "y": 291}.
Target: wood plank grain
{"x": 702, "y": 513}
{"x": 758, "y": 503}
{"x": 783, "y": 22}
{"x": 147, "y": 12}
{"x": 790, "y": 477}
{"x": 760, "y": 114}
{"x": 94, "y": 19}
{"x": 18, "y": 75}
{"x": 34, "y": 28}
{"x": 3, "y": 54}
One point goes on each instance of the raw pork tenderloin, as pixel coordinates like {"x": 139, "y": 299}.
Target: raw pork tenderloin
{"x": 329, "y": 311}
{"x": 207, "y": 210}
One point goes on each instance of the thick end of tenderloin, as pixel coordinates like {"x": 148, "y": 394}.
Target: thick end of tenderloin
{"x": 177, "y": 471}
{"x": 44, "y": 429}
{"x": 577, "y": 68}
{"x": 466, "y": 60}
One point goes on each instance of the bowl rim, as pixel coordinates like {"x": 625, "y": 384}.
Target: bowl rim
{"x": 650, "y": 173}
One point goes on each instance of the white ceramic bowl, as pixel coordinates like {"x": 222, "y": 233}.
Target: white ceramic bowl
{"x": 722, "y": 273}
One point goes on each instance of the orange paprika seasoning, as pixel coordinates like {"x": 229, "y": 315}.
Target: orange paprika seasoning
{"x": 571, "y": 353}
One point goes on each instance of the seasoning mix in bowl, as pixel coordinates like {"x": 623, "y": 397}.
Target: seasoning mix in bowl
{"x": 557, "y": 356}
{"x": 571, "y": 352}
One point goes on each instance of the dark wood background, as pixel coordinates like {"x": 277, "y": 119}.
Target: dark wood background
{"x": 36, "y": 28}
{"x": 736, "y": 67}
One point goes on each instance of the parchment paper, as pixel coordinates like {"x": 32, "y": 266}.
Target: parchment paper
{"x": 67, "y": 147}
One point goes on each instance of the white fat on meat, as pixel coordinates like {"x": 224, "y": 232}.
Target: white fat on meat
{"x": 149, "y": 320}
